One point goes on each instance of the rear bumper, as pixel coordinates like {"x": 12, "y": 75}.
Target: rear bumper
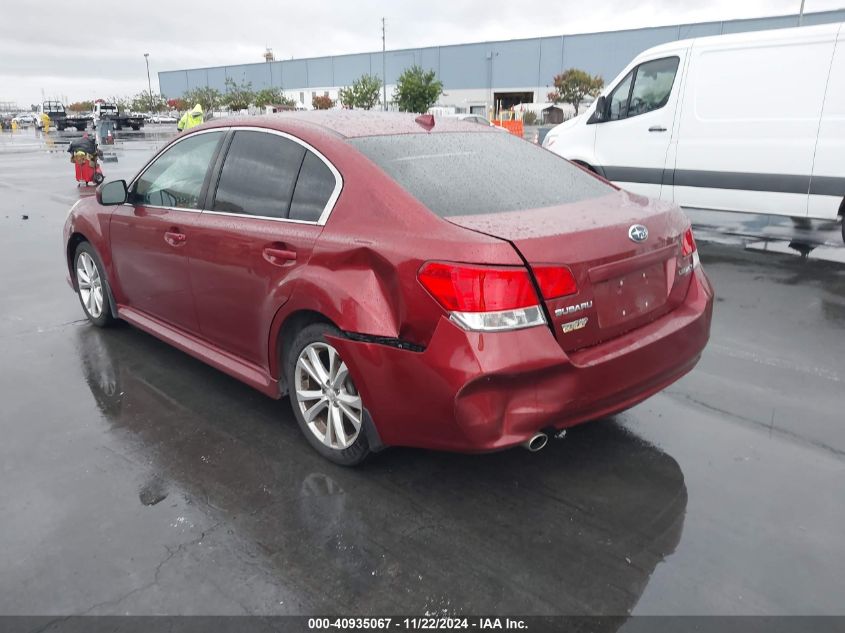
{"x": 476, "y": 392}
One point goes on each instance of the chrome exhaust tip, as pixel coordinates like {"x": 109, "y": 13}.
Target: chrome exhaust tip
{"x": 537, "y": 443}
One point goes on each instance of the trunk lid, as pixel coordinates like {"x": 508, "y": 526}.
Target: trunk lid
{"x": 622, "y": 284}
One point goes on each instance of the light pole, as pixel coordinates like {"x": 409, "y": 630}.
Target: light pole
{"x": 149, "y": 83}
{"x": 801, "y": 14}
{"x": 383, "y": 67}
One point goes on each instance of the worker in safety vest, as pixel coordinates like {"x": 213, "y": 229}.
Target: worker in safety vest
{"x": 191, "y": 119}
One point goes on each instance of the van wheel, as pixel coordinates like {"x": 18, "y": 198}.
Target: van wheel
{"x": 325, "y": 401}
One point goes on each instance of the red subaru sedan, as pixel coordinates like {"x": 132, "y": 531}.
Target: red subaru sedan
{"x": 406, "y": 281}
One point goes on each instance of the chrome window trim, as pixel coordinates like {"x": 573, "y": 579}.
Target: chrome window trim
{"x": 257, "y": 217}
{"x": 153, "y": 206}
{"x": 321, "y": 221}
{"x": 156, "y": 157}
{"x": 330, "y": 204}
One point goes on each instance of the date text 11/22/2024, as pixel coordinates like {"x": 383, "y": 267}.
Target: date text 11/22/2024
{"x": 420, "y": 623}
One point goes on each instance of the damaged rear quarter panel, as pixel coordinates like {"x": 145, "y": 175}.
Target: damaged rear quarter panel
{"x": 362, "y": 274}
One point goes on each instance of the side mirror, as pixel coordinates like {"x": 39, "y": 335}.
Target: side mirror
{"x": 599, "y": 112}
{"x": 112, "y": 193}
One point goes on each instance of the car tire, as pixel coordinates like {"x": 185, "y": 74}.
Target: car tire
{"x": 92, "y": 285}
{"x": 325, "y": 402}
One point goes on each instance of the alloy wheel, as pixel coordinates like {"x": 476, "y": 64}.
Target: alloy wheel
{"x": 327, "y": 397}
{"x": 90, "y": 284}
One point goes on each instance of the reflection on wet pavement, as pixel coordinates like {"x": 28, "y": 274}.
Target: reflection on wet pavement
{"x": 542, "y": 533}
{"x": 771, "y": 234}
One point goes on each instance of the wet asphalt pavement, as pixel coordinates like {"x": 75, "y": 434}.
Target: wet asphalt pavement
{"x": 136, "y": 480}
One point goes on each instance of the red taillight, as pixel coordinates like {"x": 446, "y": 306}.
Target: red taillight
{"x": 555, "y": 281}
{"x": 687, "y": 243}
{"x": 465, "y": 288}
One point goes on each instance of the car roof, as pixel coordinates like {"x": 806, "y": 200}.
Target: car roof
{"x": 353, "y": 123}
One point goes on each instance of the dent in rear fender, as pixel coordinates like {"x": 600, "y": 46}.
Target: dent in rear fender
{"x": 363, "y": 298}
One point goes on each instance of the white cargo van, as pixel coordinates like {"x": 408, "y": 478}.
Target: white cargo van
{"x": 750, "y": 122}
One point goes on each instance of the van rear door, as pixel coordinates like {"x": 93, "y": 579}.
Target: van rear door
{"x": 634, "y": 134}
{"x": 827, "y": 187}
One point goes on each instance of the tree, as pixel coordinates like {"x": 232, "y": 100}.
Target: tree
{"x": 208, "y": 98}
{"x": 122, "y": 103}
{"x": 271, "y": 96}
{"x": 81, "y": 106}
{"x": 571, "y": 86}
{"x": 238, "y": 96}
{"x": 141, "y": 102}
{"x": 364, "y": 93}
{"x": 177, "y": 104}
{"x": 417, "y": 90}
{"x": 322, "y": 102}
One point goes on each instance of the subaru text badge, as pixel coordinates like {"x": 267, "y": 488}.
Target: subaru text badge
{"x": 638, "y": 233}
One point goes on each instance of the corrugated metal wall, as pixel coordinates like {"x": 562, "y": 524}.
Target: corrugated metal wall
{"x": 497, "y": 65}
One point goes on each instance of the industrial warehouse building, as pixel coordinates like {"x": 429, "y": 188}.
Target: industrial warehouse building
{"x": 474, "y": 75}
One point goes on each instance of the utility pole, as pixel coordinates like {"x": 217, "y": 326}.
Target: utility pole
{"x": 383, "y": 68}
{"x": 149, "y": 83}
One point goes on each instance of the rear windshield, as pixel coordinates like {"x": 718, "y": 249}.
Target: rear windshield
{"x": 466, "y": 173}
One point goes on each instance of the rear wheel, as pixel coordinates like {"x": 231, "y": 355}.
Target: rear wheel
{"x": 324, "y": 398}
{"x": 91, "y": 285}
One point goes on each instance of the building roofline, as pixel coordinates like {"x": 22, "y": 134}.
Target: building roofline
{"x": 516, "y": 39}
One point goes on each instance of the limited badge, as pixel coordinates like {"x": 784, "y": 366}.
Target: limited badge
{"x": 574, "y": 325}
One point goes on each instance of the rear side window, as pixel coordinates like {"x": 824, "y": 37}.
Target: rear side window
{"x": 314, "y": 187}
{"x": 471, "y": 173}
{"x": 258, "y": 175}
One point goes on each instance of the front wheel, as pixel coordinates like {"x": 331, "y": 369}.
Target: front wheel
{"x": 325, "y": 400}
{"x": 91, "y": 285}
{"x": 98, "y": 178}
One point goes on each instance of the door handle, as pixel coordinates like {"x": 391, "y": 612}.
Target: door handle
{"x": 278, "y": 256}
{"x": 657, "y": 128}
{"x": 175, "y": 238}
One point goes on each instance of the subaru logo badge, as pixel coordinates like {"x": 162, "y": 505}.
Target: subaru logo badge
{"x": 638, "y": 233}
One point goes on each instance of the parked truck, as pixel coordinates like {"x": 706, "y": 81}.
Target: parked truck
{"x": 110, "y": 111}
{"x": 59, "y": 116}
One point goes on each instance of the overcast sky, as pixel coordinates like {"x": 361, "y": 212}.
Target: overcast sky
{"x": 45, "y": 47}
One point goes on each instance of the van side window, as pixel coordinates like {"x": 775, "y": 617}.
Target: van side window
{"x": 653, "y": 85}
{"x": 618, "y": 100}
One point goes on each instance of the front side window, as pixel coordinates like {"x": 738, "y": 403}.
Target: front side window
{"x": 176, "y": 177}
{"x": 653, "y": 85}
{"x": 258, "y": 175}
{"x": 617, "y": 107}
